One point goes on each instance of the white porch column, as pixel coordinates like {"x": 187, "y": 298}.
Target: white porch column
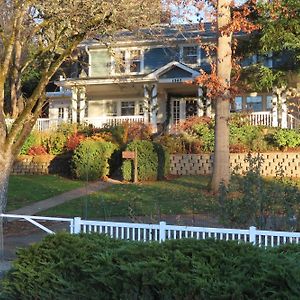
{"x": 274, "y": 110}
{"x": 153, "y": 108}
{"x": 284, "y": 112}
{"x": 200, "y": 108}
{"x": 208, "y": 106}
{"x": 74, "y": 100}
{"x": 146, "y": 105}
{"x": 81, "y": 104}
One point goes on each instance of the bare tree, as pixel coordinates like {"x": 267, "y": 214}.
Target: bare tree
{"x": 41, "y": 35}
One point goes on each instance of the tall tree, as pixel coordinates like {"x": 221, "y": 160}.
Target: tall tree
{"x": 40, "y": 35}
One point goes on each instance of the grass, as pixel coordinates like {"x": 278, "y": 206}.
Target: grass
{"x": 26, "y": 189}
{"x": 184, "y": 195}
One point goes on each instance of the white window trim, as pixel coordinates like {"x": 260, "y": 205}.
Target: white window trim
{"x": 127, "y": 61}
{"x": 198, "y": 54}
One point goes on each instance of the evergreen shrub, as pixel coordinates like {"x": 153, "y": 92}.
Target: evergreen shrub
{"x": 91, "y": 159}
{"x": 91, "y": 266}
{"x": 153, "y": 161}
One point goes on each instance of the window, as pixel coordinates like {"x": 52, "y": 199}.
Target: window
{"x": 254, "y": 103}
{"x": 61, "y": 112}
{"x": 269, "y": 102}
{"x": 111, "y": 109}
{"x": 238, "y": 103}
{"x": 190, "y": 54}
{"x": 128, "y": 61}
{"x": 70, "y": 113}
{"x": 86, "y": 109}
{"x": 127, "y": 108}
{"x": 135, "y": 61}
{"x": 141, "y": 108}
{"x": 176, "y": 111}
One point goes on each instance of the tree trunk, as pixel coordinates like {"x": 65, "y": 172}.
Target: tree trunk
{"x": 6, "y": 162}
{"x": 221, "y": 164}
{"x": 221, "y": 167}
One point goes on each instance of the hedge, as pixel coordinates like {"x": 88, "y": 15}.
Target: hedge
{"x": 153, "y": 161}
{"x": 90, "y": 159}
{"x": 92, "y": 266}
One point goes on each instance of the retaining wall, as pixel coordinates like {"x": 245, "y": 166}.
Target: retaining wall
{"x": 193, "y": 164}
{"x": 41, "y": 164}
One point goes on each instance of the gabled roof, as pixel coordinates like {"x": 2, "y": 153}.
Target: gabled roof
{"x": 172, "y": 65}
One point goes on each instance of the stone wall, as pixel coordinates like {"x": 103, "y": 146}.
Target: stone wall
{"x": 41, "y": 164}
{"x": 194, "y": 164}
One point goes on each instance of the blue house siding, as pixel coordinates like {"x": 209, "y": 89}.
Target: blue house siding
{"x": 100, "y": 63}
{"x": 176, "y": 73}
{"x": 158, "y": 57}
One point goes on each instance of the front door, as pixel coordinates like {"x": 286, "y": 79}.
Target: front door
{"x": 190, "y": 108}
{"x": 182, "y": 109}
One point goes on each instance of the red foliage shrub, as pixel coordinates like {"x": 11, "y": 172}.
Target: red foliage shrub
{"x": 37, "y": 150}
{"x": 238, "y": 148}
{"x": 188, "y": 124}
{"x": 73, "y": 141}
{"x": 137, "y": 131}
{"x": 102, "y": 137}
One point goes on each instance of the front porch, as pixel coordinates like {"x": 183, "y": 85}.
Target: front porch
{"x": 263, "y": 118}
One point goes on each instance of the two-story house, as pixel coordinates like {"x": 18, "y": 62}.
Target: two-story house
{"x": 146, "y": 78}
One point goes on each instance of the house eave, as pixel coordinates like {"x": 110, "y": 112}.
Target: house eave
{"x": 103, "y": 81}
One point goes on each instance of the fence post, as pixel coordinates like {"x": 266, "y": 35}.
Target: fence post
{"x": 77, "y": 227}
{"x": 252, "y": 235}
{"x": 162, "y": 231}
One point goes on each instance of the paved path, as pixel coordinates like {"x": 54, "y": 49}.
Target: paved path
{"x": 37, "y": 207}
{"x": 24, "y": 237}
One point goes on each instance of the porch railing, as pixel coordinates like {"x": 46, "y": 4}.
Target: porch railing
{"x": 44, "y": 124}
{"x": 162, "y": 231}
{"x": 111, "y": 121}
{"x": 263, "y": 118}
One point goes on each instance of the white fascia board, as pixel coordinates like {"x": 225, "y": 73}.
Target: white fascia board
{"x": 169, "y": 66}
{"x": 147, "y": 43}
{"x": 176, "y": 80}
{"x": 83, "y": 82}
{"x": 58, "y": 94}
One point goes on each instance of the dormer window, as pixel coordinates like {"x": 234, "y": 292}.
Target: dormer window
{"x": 190, "y": 55}
{"x": 129, "y": 61}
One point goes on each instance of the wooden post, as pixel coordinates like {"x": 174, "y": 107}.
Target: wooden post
{"x": 135, "y": 163}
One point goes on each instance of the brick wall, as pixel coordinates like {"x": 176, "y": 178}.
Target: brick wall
{"x": 41, "y": 164}
{"x": 193, "y": 164}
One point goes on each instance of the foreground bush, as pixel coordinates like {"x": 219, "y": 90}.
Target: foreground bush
{"x": 95, "y": 267}
{"x": 90, "y": 159}
{"x": 153, "y": 161}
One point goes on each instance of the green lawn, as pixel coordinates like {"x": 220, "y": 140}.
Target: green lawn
{"x": 183, "y": 195}
{"x": 26, "y": 189}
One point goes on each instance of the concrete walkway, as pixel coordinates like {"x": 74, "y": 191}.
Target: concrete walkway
{"x": 23, "y": 239}
{"x": 37, "y": 207}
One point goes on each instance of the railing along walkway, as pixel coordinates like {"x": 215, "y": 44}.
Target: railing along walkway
{"x": 162, "y": 231}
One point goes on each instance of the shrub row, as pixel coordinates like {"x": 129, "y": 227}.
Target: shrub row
{"x": 96, "y": 267}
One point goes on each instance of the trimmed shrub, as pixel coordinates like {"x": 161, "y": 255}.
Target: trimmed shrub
{"x": 287, "y": 138}
{"x": 91, "y": 266}
{"x": 153, "y": 161}
{"x": 54, "y": 142}
{"x": 90, "y": 159}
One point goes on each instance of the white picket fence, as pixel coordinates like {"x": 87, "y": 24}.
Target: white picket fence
{"x": 162, "y": 231}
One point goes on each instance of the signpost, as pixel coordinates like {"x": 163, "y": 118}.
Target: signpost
{"x": 132, "y": 155}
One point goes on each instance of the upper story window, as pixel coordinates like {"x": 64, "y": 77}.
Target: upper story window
{"x": 129, "y": 61}
{"x": 190, "y": 55}
{"x": 135, "y": 61}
